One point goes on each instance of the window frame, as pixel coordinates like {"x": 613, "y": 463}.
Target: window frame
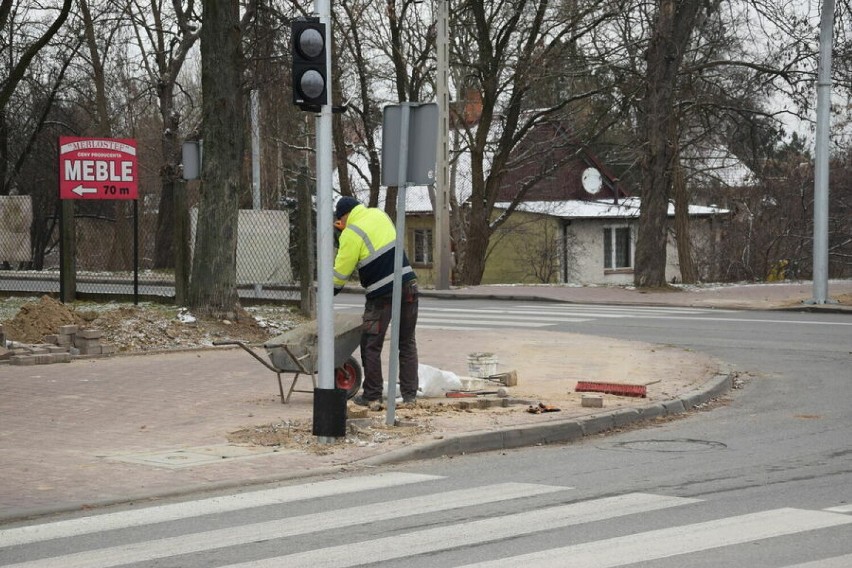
{"x": 611, "y": 249}
{"x": 417, "y": 235}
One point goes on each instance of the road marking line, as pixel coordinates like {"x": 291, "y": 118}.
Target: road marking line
{"x": 482, "y": 322}
{"x": 280, "y": 528}
{"x": 475, "y": 532}
{"x": 495, "y": 316}
{"x": 836, "y": 562}
{"x": 840, "y": 509}
{"x": 213, "y": 505}
{"x": 665, "y": 543}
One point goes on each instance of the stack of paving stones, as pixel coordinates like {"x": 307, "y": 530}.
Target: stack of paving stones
{"x": 70, "y": 341}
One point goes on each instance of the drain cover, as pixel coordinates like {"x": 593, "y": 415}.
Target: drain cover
{"x": 676, "y": 445}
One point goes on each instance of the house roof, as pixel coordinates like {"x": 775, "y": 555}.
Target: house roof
{"x": 551, "y": 159}
{"x": 627, "y": 208}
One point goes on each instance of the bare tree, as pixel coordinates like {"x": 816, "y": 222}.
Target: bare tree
{"x": 676, "y": 20}
{"x": 213, "y": 280}
{"x": 165, "y": 35}
{"x": 502, "y": 49}
{"x": 17, "y": 61}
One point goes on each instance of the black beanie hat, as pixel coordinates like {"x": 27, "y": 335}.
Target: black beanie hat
{"x": 344, "y": 205}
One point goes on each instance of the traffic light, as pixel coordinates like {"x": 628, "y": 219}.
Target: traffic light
{"x": 310, "y": 74}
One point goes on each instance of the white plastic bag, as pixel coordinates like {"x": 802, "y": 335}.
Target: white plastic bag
{"x": 435, "y": 382}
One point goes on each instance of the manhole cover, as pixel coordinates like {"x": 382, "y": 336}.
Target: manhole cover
{"x": 676, "y": 445}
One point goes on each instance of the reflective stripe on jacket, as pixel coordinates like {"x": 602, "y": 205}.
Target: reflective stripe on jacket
{"x": 368, "y": 243}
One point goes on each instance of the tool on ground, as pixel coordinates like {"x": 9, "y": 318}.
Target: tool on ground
{"x": 468, "y": 394}
{"x": 620, "y": 389}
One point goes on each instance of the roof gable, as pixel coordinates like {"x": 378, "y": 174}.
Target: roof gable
{"x": 548, "y": 165}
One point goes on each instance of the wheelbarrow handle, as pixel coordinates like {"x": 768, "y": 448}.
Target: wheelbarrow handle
{"x": 249, "y": 351}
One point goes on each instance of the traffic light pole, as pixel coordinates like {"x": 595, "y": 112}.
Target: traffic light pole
{"x": 329, "y": 403}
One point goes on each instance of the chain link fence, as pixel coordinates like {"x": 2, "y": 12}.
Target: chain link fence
{"x": 105, "y": 232}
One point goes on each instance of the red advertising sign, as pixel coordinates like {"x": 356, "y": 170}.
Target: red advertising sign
{"x": 97, "y": 168}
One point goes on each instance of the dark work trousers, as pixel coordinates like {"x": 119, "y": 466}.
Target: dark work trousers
{"x": 377, "y": 317}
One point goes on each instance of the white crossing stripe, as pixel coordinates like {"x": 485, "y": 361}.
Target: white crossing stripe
{"x": 487, "y": 315}
{"x": 836, "y": 562}
{"x": 213, "y": 505}
{"x": 496, "y": 323}
{"x": 665, "y": 543}
{"x": 474, "y": 532}
{"x": 557, "y": 315}
{"x": 257, "y": 532}
{"x": 840, "y": 509}
{"x": 625, "y": 308}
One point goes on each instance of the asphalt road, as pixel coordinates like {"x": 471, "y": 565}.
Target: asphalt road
{"x": 762, "y": 478}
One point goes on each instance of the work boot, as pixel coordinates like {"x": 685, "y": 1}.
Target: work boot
{"x": 361, "y": 401}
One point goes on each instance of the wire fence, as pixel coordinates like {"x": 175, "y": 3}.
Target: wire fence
{"x": 116, "y": 241}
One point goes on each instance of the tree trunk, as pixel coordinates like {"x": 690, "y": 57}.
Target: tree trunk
{"x": 675, "y": 22}
{"x": 214, "y": 267}
{"x": 164, "y": 246}
{"x": 472, "y": 265}
{"x": 688, "y": 272}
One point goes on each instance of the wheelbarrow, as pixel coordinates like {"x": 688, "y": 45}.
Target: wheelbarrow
{"x": 296, "y": 351}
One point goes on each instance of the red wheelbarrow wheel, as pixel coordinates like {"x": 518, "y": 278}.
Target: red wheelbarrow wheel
{"x": 348, "y": 377}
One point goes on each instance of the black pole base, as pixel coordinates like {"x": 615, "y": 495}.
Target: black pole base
{"x": 329, "y": 413}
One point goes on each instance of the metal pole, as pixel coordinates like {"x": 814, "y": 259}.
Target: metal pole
{"x": 396, "y": 299}
{"x": 255, "y": 162}
{"x": 325, "y": 237}
{"x": 442, "y": 187}
{"x": 255, "y": 151}
{"x": 135, "y": 252}
{"x": 820, "y": 284}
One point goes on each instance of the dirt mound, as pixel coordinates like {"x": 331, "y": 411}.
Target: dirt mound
{"x": 36, "y": 319}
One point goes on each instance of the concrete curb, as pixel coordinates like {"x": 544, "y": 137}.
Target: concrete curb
{"x": 569, "y": 430}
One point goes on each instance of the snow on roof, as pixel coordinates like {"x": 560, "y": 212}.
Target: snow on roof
{"x": 578, "y": 209}
{"x": 718, "y": 165}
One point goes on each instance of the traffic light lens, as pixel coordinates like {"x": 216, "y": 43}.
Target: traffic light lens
{"x": 311, "y": 83}
{"x": 311, "y": 43}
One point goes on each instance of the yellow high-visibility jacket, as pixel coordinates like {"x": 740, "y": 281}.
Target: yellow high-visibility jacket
{"x": 368, "y": 243}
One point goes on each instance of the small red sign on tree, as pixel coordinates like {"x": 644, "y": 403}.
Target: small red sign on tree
{"x": 97, "y": 168}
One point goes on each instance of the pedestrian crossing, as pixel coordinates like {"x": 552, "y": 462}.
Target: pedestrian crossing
{"x": 433, "y": 525}
{"x": 538, "y": 315}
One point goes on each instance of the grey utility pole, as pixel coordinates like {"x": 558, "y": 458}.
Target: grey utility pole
{"x": 442, "y": 260}
{"x": 820, "y": 284}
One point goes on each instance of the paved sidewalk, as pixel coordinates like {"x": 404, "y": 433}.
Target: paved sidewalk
{"x": 128, "y": 428}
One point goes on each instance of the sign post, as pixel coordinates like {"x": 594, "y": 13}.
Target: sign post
{"x": 409, "y": 149}
{"x": 96, "y": 168}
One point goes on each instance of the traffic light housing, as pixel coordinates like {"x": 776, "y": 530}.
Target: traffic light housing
{"x": 310, "y": 72}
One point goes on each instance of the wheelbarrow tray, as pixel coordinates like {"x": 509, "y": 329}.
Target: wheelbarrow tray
{"x": 297, "y": 350}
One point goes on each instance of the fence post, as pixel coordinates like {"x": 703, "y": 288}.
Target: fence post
{"x": 181, "y": 243}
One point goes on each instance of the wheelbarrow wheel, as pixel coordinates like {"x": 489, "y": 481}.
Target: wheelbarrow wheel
{"x": 348, "y": 377}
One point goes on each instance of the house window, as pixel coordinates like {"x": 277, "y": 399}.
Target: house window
{"x": 617, "y": 248}
{"x": 423, "y": 246}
